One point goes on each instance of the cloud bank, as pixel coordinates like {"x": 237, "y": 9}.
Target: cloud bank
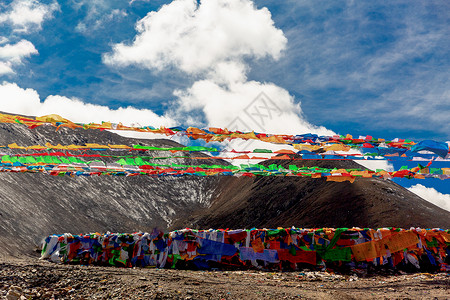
{"x": 15, "y": 100}
{"x": 213, "y": 42}
{"x": 431, "y": 195}
{"x": 196, "y": 37}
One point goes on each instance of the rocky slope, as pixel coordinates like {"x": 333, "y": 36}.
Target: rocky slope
{"x": 35, "y": 205}
{"x": 304, "y": 202}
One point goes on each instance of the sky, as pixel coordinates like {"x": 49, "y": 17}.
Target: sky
{"x": 359, "y": 67}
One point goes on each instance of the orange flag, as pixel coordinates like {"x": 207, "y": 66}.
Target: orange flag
{"x": 341, "y": 178}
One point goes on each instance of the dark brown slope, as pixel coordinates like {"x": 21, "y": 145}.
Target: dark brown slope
{"x": 304, "y": 202}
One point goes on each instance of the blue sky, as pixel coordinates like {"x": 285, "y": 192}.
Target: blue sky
{"x": 358, "y": 67}
{"x": 369, "y": 67}
{"x": 363, "y": 68}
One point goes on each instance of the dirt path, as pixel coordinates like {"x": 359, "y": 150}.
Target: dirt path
{"x": 34, "y": 279}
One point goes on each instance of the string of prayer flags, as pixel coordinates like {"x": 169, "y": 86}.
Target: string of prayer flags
{"x": 282, "y": 249}
{"x": 393, "y": 154}
{"x": 137, "y": 166}
{"x": 344, "y": 143}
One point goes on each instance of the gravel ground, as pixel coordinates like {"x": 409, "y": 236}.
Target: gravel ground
{"x": 29, "y": 278}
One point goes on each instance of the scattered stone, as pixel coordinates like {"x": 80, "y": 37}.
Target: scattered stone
{"x": 59, "y": 282}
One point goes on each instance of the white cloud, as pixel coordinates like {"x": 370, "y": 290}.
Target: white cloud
{"x": 15, "y": 100}
{"x": 5, "y": 68}
{"x": 99, "y": 13}
{"x": 376, "y": 164}
{"x": 28, "y": 15}
{"x": 96, "y": 19}
{"x": 214, "y": 40}
{"x": 132, "y": 1}
{"x": 3, "y": 40}
{"x": 14, "y": 54}
{"x": 276, "y": 113}
{"x": 431, "y": 195}
{"x": 196, "y": 37}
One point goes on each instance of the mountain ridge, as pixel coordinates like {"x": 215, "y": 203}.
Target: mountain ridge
{"x": 33, "y": 206}
{"x": 270, "y": 202}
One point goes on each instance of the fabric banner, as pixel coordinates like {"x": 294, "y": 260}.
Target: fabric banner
{"x": 221, "y": 134}
{"x": 276, "y": 249}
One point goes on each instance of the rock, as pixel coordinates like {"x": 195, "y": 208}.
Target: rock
{"x": 15, "y": 288}
{"x": 47, "y": 295}
{"x": 12, "y": 295}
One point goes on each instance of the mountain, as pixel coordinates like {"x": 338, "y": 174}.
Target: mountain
{"x": 271, "y": 202}
{"x": 35, "y": 205}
